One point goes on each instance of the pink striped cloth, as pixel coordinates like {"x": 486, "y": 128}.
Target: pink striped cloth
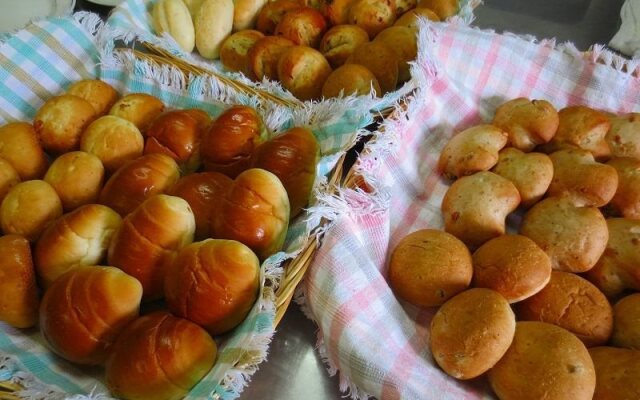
{"x": 379, "y": 344}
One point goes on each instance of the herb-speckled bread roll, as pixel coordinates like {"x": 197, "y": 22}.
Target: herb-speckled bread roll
{"x": 234, "y": 53}
{"x": 350, "y": 79}
{"x": 379, "y": 59}
{"x": 372, "y": 15}
{"x": 339, "y": 42}
{"x": 303, "y": 26}
{"x": 302, "y": 71}
{"x": 265, "y": 54}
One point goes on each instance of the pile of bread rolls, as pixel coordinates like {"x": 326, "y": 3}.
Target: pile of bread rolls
{"x": 110, "y": 202}
{"x": 314, "y": 48}
{"x": 551, "y": 308}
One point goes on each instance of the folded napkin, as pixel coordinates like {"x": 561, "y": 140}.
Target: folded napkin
{"x": 627, "y": 39}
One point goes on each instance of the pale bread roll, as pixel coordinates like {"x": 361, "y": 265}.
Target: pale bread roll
{"x": 617, "y": 373}
{"x": 173, "y": 17}
{"x": 100, "y": 94}
{"x": 302, "y": 71}
{"x": 213, "y": 23}
{"x": 527, "y": 122}
{"x": 20, "y": 146}
{"x": 234, "y": 53}
{"x": 350, "y": 79}
{"x": 626, "y": 322}
{"x": 624, "y": 136}
{"x": 339, "y": 42}
{"x": 113, "y": 140}
{"x": 380, "y": 60}
{"x": 139, "y": 108}
{"x": 626, "y": 200}
{"x": 77, "y": 177}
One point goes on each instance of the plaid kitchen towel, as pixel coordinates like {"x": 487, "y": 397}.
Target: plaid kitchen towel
{"x": 379, "y": 344}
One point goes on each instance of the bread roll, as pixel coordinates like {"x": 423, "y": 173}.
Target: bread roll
{"x": 203, "y": 191}
{"x": 475, "y": 207}
{"x": 60, "y": 121}
{"x": 512, "y": 265}
{"x": 472, "y": 150}
{"x": 403, "y": 6}
{"x": 624, "y": 136}
{"x": 85, "y": 310}
{"x": 138, "y": 180}
{"x": 234, "y": 53}
{"x": 174, "y": 355}
{"x": 149, "y": 239}
{"x": 8, "y": 177}
{"x": 443, "y": 8}
{"x": 626, "y": 322}
{"x": 349, "y": 80}
{"x": 531, "y": 173}
{"x": 303, "y": 26}
{"x": 626, "y": 200}
{"x": 255, "y": 212}
{"x": 19, "y": 300}
{"x": 265, "y": 54}
{"x": 193, "y": 6}
{"x": 100, "y": 94}
{"x": 293, "y": 157}
{"x": 173, "y": 17}
{"x": 28, "y": 208}
{"x": 230, "y": 141}
{"x": 617, "y": 373}
{"x": 213, "y": 23}
{"x": 471, "y": 332}
{"x": 544, "y": 361}
{"x": 302, "y": 71}
{"x": 573, "y": 237}
{"x": 619, "y": 267}
{"x": 581, "y": 127}
{"x": 227, "y": 275}
{"x": 410, "y": 18}
{"x": 372, "y": 15}
{"x": 577, "y": 176}
{"x": 339, "y": 42}
{"x": 428, "y": 267}
{"x": 113, "y": 140}
{"x": 379, "y": 59}
{"x": 139, "y": 108}
{"x": 77, "y": 177}
{"x": 527, "y": 122}
{"x": 404, "y": 42}
{"x": 271, "y": 14}
{"x": 245, "y": 13}
{"x": 20, "y": 146}
{"x": 78, "y": 238}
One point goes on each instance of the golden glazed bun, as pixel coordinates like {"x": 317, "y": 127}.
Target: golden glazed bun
{"x": 79, "y": 238}
{"x": 114, "y": 140}
{"x": 339, "y": 42}
{"x": 573, "y": 237}
{"x": 149, "y": 238}
{"x": 302, "y": 71}
{"x": 265, "y": 54}
{"x": 378, "y": 58}
{"x": 573, "y": 303}
{"x": 428, "y": 267}
{"x": 234, "y": 53}
{"x": 372, "y": 15}
{"x": 227, "y": 275}
{"x": 544, "y": 361}
{"x": 475, "y": 207}
{"x": 581, "y": 127}
{"x": 272, "y": 13}
{"x": 77, "y": 177}
{"x": 443, "y": 8}
{"x": 403, "y": 41}
{"x": 626, "y": 200}
{"x": 98, "y": 93}
{"x": 410, "y": 18}
{"x": 350, "y": 79}
{"x": 626, "y": 322}
{"x": 60, "y": 121}
{"x": 512, "y": 265}
{"x": 527, "y": 122}
{"x": 173, "y": 354}
{"x": 85, "y": 310}
{"x": 8, "y": 177}
{"x": 472, "y": 150}
{"x": 617, "y": 373}
{"x": 624, "y": 136}
{"x": 303, "y": 26}
{"x": 471, "y": 332}
{"x": 19, "y": 300}
{"x": 20, "y": 146}
{"x": 139, "y": 108}
{"x": 28, "y": 208}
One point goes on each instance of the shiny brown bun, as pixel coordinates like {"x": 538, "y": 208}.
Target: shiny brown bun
{"x": 403, "y": 41}
{"x": 20, "y": 146}
{"x": 139, "y": 108}
{"x": 19, "y": 300}
{"x": 531, "y": 173}
{"x": 149, "y": 239}
{"x": 28, "y": 208}
{"x": 203, "y": 191}
{"x": 79, "y": 238}
{"x": 626, "y": 322}
{"x": 512, "y": 265}
{"x": 527, "y": 122}
{"x": 619, "y": 267}
{"x": 303, "y": 26}
{"x": 578, "y": 177}
{"x": 8, "y": 177}
{"x": 137, "y": 180}
{"x": 228, "y": 144}
{"x": 472, "y": 150}
{"x": 60, "y": 121}
{"x": 573, "y": 237}
{"x": 379, "y": 59}
{"x": 176, "y": 134}
{"x": 428, "y": 267}
{"x": 475, "y": 207}
{"x": 271, "y": 14}
{"x": 292, "y": 156}
{"x": 617, "y": 373}
{"x": 372, "y": 15}
{"x": 227, "y": 275}
{"x": 350, "y": 79}
{"x": 339, "y": 42}
{"x": 234, "y": 53}
{"x": 443, "y": 8}
{"x": 265, "y": 54}
{"x": 77, "y": 177}
{"x": 113, "y": 140}
{"x": 410, "y": 18}
{"x": 471, "y": 332}
{"x": 84, "y": 311}
{"x": 176, "y": 354}
{"x": 574, "y": 304}
{"x": 255, "y": 212}
{"x": 626, "y": 200}
{"x": 581, "y": 127}
{"x": 302, "y": 71}
{"x": 98, "y": 93}
{"x": 544, "y": 361}
{"x": 624, "y": 136}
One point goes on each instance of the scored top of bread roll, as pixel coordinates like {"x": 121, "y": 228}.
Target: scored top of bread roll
{"x": 234, "y": 53}
{"x": 100, "y": 94}
{"x": 339, "y": 42}
{"x": 302, "y": 71}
